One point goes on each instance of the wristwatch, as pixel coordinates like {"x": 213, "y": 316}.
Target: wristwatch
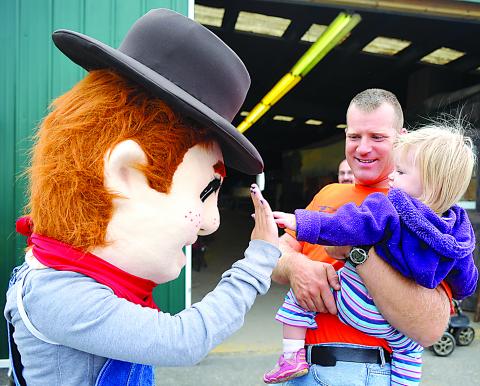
{"x": 358, "y": 255}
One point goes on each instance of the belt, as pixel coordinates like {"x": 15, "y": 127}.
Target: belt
{"x": 329, "y": 355}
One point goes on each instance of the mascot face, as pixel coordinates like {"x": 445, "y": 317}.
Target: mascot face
{"x": 160, "y": 223}
{"x": 120, "y": 174}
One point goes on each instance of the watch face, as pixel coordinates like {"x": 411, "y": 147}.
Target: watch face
{"x": 358, "y": 255}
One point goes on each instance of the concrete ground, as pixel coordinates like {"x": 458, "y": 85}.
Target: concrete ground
{"x": 245, "y": 368}
{"x": 243, "y": 358}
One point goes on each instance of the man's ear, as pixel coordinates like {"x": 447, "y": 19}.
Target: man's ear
{"x": 120, "y": 168}
{"x": 403, "y": 130}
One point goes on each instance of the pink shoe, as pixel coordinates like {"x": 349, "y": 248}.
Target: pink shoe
{"x": 287, "y": 369}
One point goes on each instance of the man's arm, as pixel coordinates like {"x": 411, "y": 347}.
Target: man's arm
{"x": 310, "y": 280}
{"x": 420, "y": 313}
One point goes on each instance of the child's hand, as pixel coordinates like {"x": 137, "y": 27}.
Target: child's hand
{"x": 285, "y": 220}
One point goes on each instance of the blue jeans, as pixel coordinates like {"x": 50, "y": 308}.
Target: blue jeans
{"x": 119, "y": 373}
{"x": 344, "y": 373}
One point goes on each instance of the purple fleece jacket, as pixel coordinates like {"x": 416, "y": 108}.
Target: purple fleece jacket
{"x": 406, "y": 233}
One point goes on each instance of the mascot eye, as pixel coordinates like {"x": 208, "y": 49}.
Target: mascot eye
{"x": 212, "y": 187}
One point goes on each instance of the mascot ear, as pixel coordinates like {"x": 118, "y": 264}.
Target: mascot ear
{"x": 120, "y": 168}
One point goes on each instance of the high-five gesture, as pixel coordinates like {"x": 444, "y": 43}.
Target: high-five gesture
{"x": 265, "y": 227}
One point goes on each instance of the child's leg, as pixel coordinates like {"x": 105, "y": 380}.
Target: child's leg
{"x": 293, "y": 340}
{"x": 406, "y": 368}
{"x": 292, "y": 314}
{"x": 292, "y": 363}
{"x": 357, "y": 309}
{"x": 294, "y": 332}
{"x": 295, "y": 321}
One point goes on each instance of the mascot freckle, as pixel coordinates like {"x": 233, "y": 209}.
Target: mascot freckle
{"x": 125, "y": 172}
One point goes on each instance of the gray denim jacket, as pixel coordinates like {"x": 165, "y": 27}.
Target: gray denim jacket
{"x": 91, "y": 324}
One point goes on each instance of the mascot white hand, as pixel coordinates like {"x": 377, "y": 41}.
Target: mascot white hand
{"x": 126, "y": 171}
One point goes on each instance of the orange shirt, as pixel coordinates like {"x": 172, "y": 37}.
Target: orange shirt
{"x": 330, "y": 328}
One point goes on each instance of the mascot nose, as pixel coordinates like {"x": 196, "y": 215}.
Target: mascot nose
{"x": 210, "y": 219}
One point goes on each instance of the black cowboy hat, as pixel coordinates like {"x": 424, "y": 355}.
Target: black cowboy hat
{"x": 183, "y": 63}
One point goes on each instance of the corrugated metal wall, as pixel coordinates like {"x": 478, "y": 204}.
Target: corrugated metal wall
{"x": 32, "y": 73}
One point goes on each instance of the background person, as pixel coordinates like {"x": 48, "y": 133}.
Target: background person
{"x": 339, "y": 354}
{"x": 345, "y": 174}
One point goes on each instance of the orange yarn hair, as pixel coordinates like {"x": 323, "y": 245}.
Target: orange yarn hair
{"x": 68, "y": 199}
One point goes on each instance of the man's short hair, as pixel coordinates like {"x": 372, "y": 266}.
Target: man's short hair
{"x": 372, "y": 98}
{"x": 445, "y": 158}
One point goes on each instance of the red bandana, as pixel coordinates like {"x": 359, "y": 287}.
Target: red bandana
{"x": 63, "y": 257}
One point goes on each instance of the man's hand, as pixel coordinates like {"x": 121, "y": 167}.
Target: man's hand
{"x": 310, "y": 280}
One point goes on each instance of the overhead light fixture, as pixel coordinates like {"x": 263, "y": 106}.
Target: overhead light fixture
{"x": 335, "y": 32}
{"x": 209, "y": 15}
{"x": 284, "y": 118}
{"x": 442, "y": 56}
{"x": 258, "y": 23}
{"x": 341, "y": 126}
{"x": 244, "y": 113}
{"x": 386, "y": 46}
{"x": 313, "y": 33}
{"x": 313, "y": 122}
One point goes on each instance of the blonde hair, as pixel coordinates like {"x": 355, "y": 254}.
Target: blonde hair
{"x": 371, "y": 99}
{"x": 445, "y": 158}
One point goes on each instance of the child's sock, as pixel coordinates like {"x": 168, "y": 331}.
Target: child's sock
{"x": 291, "y": 346}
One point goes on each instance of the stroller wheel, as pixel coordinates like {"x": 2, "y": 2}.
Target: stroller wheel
{"x": 445, "y": 346}
{"x": 464, "y": 336}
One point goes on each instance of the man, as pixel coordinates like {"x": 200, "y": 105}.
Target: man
{"x": 345, "y": 174}
{"x": 374, "y": 119}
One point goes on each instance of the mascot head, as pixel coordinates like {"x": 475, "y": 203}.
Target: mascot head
{"x": 129, "y": 162}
